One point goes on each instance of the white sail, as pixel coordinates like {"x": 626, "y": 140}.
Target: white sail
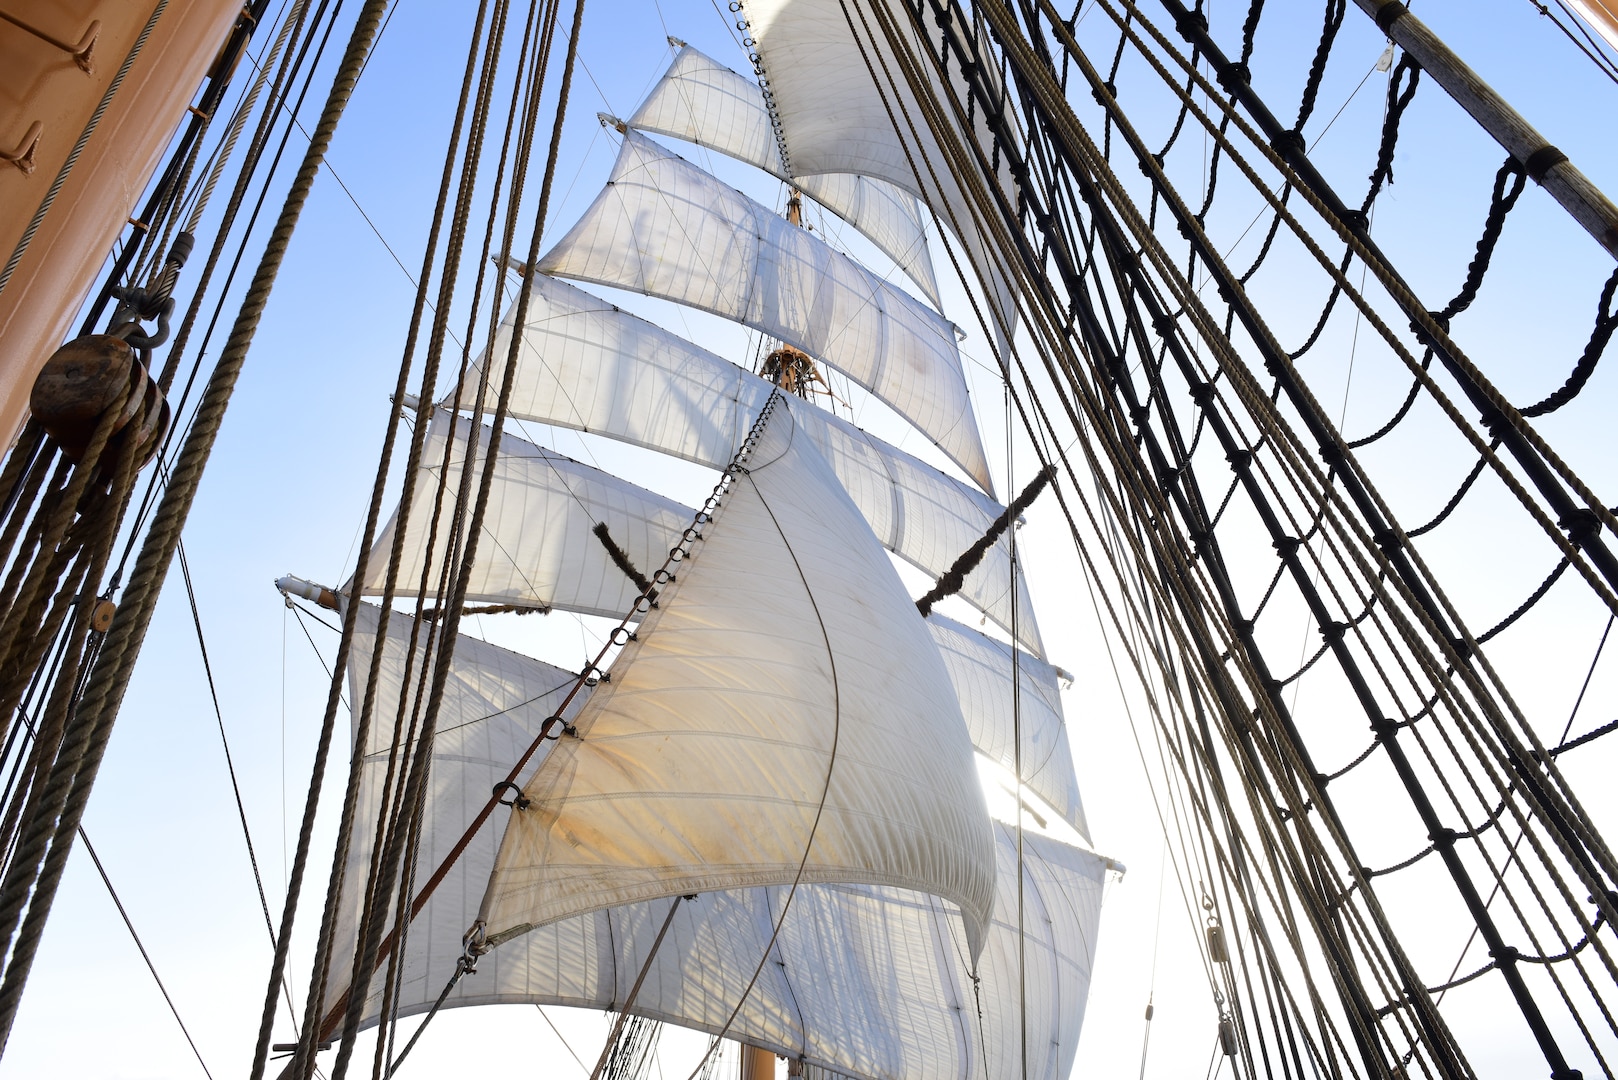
{"x": 701, "y": 101}
{"x": 589, "y": 366}
{"x": 833, "y": 98}
{"x": 980, "y": 670}
{"x": 495, "y": 702}
{"x": 864, "y": 981}
{"x": 537, "y": 549}
{"x": 979, "y": 667}
{"x": 782, "y": 716}
{"x": 665, "y": 228}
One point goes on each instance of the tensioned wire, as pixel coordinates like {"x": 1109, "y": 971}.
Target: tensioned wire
{"x": 532, "y": 84}
{"x": 472, "y": 531}
{"x": 364, "y": 28}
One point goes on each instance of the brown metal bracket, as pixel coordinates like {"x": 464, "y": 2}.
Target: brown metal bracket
{"x": 23, "y": 156}
{"x": 80, "y": 52}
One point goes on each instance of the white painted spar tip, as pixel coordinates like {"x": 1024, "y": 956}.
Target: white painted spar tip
{"x": 290, "y": 586}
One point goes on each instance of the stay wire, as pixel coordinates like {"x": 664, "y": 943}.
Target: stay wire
{"x": 123, "y": 913}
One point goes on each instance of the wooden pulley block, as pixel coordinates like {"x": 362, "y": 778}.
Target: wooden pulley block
{"x": 101, "y": 615}
{"x": 80, "y": 381}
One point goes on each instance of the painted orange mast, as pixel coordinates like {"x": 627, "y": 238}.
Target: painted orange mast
{"x": 57, "y": 62}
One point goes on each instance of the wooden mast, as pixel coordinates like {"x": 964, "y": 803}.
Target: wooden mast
{"x": 757, "y": 1063}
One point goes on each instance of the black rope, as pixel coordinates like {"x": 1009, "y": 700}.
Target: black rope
{"x": 460, "y": 970}
{"x": 1500, "y": 204}
{"x": 1326, "y": 310}
{"x": 1405, "y": 865}
{"x": 1317, "y": 69}
{"x": 1606, "y": 323}
{"x": 1455, "y": 500}
{"x": 1399, "y": 95}
{"x": 1401, "y": 412}
{"x": 1441, "y": 988}
{"x": 1522, "y": 609}
{"x": 1589, "y": 736}
{"x": 1516, "y": 955}
{"x": 955, "y": 577}
{"x": 1331, "y": 633}
{"x": 620, "y": 559}
{"x": 1346, "y": 769}
{"x": 1264, "y": 248}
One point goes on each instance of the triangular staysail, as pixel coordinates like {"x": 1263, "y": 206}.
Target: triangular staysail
{"x": 783, "y": 716}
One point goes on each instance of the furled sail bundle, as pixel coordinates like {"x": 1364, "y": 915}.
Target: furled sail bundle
{"x": 587, "y": 365}
{"x": 700, "y": 100}
{"x": 867, "y": 981}
{"x": 538, "y": 550}
{"x": 665, "y": 228}
{"x": 829, "y": 66}
{"x": 782, "y": 717}
{"x": 980, "y": 670}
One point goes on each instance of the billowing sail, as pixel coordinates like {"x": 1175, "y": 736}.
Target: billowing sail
{"x": 538, "y": 550}
{"x": 979, "y": 667}
{"x": 589, "y": 366}
{"x": 495, "y": 702}
{"x": 833, "y": 100}
{"x": 701, "y": 101}
{"x": 866, "y": 981}
{"x": 980, "y": 670}
{"x": 665, "y": 228}
{"x": 782, "y": 717}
